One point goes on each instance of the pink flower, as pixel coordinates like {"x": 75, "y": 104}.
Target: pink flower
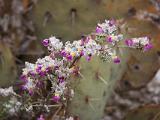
{"x": 112, "y": 22}
{"x": 41, "y": 117}
{"x": 63, "y": 53}
{"x": 99, "y": 30}
{"x": 23, "y": 87}
{"x": 30, "y": 91}
{"x": 148, "y": 47}
{"x": 69, "y": 58}
{"x": 42, "y": 73}
{"x": 88, "y": 58}
{"x": 129, "y": 42}
{"x": 23, "y": 78}
{"x": 56, "y": 98}
{"x": 39, "y": 67}
{"x": 45, "y": 42}
{"x": 116, "y": 60}
{"x": 33, "y": 74}
{"x": 109, "y": 39}
{"x": 61, "y": 79}
{"x": 81, "y": 53}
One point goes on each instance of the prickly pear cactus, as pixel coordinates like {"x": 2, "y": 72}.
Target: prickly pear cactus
{"x": 69, "y": 19}
{"x": 141, "y": 68}
{"x": 94, "y": 87}
{"x": 75, "y": 17}
{"x": 148, "y": 112}
{"x": 7, "y": 66}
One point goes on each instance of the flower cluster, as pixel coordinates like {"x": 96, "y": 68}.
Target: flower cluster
{"x": 86, "y": 47}
{"x": 59, "y": 65}
{"x": 6, "y": 91}
{"x": 12, "y": 106}
{"x": 56, "y": 69}
{"x": 108, "y": 27}
{"x": 47, "y": 68}
{"x": 53, "y": 44}
{"x": 141, "y": 43}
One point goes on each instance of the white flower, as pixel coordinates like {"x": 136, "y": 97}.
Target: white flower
{"x": 55, "y": 44}
{"x": 119, "y": 37}
{"x": 141, "y": 41}
{"x": 107, "y": 28}
{"x": 46, "y": 62}
{"x": 47, "y": 108}
{"x": 29, "y": 85}
{"x": 7, "y": 91}
{"x": 72, "y": 93}
{"x": 13, "y": 106}
{"x": 29, "y": 109}
{"x": 28, "y": 67}
{"x": 60, "y": 88}
{"x": 91, "y": 48}
{"x": 70, "y": 118}
{"x": 144, "y": 40}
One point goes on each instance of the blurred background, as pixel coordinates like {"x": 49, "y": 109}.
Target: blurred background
{"x": 25, "y": 23}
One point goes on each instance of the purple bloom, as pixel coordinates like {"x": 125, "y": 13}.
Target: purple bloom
{"x": 23, "y": 78}
{"x": 109, "y": 39}
{"x": 30, "y": 92}
{"x": 42, "y": 73}
{"x": 45, "y": 42}
{"x": 129, "y": 42}
{"x": 56, "y": 67}
{"x": 38, "y": 69}
{"x": 82, "y": 42}
{"x": 56, "y": 98}
{"x": 41, "y": 117}
{"x": 40, "y": 84}
{"x": 88, "y": 58}
{"x": 23, "y": 87}
{"x": 116, "y": 60}
{"x": 112, "y": 22}
{"x": 149, "y": 38}
{"x": 48, "y": 69}
{"x": 32, "y": 73}
{"x": 85, "y": 40}
{"x": 69, "y": 57}
{"x": 61, "y": 79}
{"x": 148, "y": 47}
{"x": 81, "y": 53}
{"x": 99, "y": 30}
{"x": 63, "y": 53}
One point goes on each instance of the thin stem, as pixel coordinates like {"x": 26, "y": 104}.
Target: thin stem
{"x": 74, "y": 61}
{"x": 17, "y": 95}
{"x": 47, "y": 105}
{"x": 122, "y": 46}
{"x": 81, "y": 74}
{"x": 156, "y": 116}
{"x": 58, "y": 110}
